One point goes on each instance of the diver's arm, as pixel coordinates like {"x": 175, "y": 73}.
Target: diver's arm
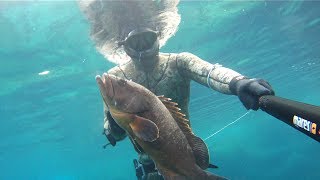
{"x": 224, "y": 80}
{"x": 213, "y": 76}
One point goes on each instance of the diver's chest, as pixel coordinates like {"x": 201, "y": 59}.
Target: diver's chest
{"x": 162, "y": 84}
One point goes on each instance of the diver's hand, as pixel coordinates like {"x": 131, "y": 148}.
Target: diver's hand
{"x": 112, "y": 130}
{"x": 250, "y": 90}
{"x": 109, "y": 136}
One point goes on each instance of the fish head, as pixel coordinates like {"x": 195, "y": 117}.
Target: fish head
{"x": 122, "y": 95}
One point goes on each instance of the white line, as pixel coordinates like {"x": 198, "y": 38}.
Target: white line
{"x": 228, "y": 125}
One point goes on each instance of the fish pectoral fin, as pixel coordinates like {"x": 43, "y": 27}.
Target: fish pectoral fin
{"x": 144, "y": 128}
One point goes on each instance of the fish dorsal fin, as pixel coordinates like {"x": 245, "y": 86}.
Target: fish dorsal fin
{"x": 199, "y": 148}
{"x": 173, "y": 108}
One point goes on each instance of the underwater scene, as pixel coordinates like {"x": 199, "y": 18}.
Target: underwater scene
{"x": 51, "y": 110}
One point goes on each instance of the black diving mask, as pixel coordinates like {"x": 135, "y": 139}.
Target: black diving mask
{"x": 141, "y": 44}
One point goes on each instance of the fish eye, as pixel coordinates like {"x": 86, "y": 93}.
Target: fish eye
{"x": 122, "y": 82}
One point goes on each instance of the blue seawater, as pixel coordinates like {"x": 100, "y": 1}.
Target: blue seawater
{"x": 51, "y": 124}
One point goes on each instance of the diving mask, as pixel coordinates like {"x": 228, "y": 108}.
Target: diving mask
{"x": 141, "y": 43}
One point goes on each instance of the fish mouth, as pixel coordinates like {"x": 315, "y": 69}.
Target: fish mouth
{"x": 106, "y": 88}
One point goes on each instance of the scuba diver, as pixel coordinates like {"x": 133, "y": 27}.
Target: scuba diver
{"x": 134, "y": 31}
{"x": 170, "y": 74}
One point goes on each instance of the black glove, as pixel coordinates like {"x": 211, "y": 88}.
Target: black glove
{"x": 250, "y": 90}
{"x": 111, "y": 139}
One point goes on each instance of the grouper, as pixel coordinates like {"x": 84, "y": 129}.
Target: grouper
{"x": 158, "y": 127}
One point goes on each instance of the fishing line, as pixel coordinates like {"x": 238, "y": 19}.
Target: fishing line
{"x": 228, "y": 125}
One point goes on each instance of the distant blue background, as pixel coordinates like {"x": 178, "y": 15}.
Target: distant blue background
{"x": 51, "y": 125}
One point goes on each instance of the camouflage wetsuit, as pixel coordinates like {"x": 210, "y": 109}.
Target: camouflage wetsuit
{"x": 171, "y": 76}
